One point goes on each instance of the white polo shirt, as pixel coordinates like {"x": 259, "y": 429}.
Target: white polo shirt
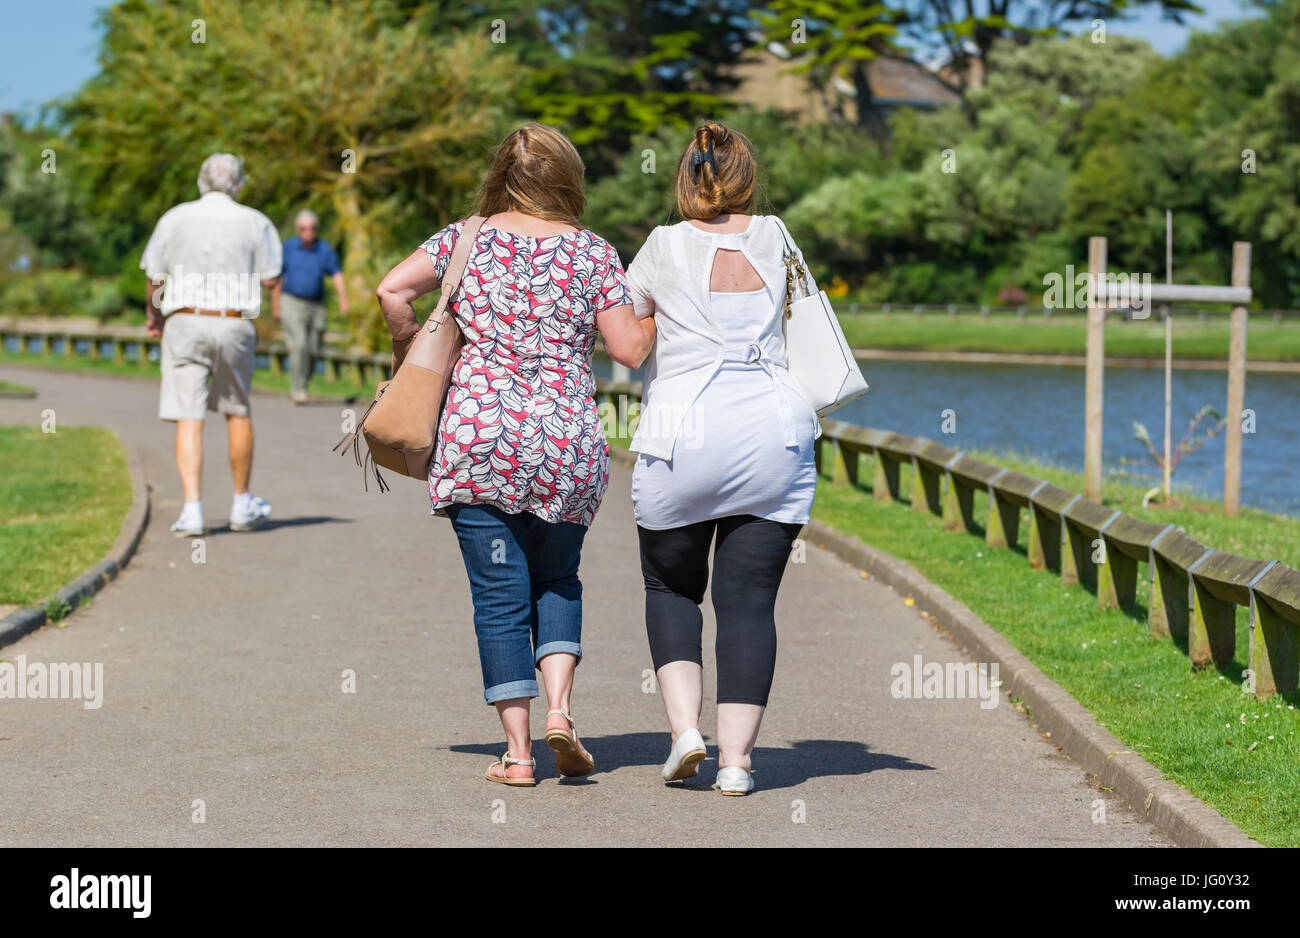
{"x": 213, "y": 253}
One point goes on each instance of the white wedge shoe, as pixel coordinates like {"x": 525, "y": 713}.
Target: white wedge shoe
{"x": 685, "y": 758}
{"x": 733, "y": 780}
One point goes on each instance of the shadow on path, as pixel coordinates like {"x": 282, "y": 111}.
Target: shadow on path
{"x": 274, "y": 523}
{"x": 773, "y": 768}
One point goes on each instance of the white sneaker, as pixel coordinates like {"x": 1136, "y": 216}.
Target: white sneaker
{"x": 253, "y": 516}
{"x": 189, "y": 524}
{"x": 733, "y": 780}
{"x": 685, "y": 758}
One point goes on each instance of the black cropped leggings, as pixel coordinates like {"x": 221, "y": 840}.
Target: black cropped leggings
{"x": 748, "y": 562}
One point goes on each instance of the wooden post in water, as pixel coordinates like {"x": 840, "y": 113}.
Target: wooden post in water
{"x": 1236, "y": 385}
{"x": 1095, "y": 368}
{"x": 1168, "y": 468}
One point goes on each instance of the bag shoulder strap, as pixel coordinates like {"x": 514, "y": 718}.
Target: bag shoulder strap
{"x": 794, "y": 266}
{"x": 785, "y": 234}
{"x": 455, "y": 271}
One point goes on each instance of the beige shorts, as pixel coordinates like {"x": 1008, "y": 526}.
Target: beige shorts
{"x": 199, "y": 349}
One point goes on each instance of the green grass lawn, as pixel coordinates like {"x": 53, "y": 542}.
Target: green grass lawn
{"x": 10, "y": 389}
{"x": 1236, "y": 753}
{"x": 263, "y": 379}
{"x": 1064, "y": 335}
{"x": 63, "y": 497}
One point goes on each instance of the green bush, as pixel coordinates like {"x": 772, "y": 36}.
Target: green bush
{"x": 19, "y": 296}
{"x": 64, "y": 292}
{"x": 106, "y": 301}
{"x": 59, "y": 293}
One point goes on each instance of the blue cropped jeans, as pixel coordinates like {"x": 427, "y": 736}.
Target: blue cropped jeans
{"x": 523, "y": 576}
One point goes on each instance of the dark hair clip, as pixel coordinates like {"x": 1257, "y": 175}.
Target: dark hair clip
{"x": 698, "y": 158}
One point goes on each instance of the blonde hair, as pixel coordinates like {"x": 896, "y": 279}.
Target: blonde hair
{"x": 727, "y": 184}
{"x": 537, "y": 171}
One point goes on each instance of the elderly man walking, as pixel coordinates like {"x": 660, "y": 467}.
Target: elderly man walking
{"x": 214, "y": 256}
{"x": 298, "y": 301}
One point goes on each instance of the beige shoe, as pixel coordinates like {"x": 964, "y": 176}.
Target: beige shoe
{"x": 300, "y": 397}
{"x": 685, "y": 757}
{"x": 505, "y": 762}
{"x": 735, "y": 781}
{"x": 570, "y": 759}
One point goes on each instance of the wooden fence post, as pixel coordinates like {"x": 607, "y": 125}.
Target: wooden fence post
{"x": 1236, "y": 385}
{"x": 1274, "y": 649}
{"x": 1211, "y": 637}
{"x": 845, "y": 464}
{"x": 1003, "y": 527}
{"x": 1116, "y": 579}
{"x": 884, "y": 482}
{"x": 1167, "y": 605}
{"x": 1095, "y": 369}
{"x": 1043, "y": 540}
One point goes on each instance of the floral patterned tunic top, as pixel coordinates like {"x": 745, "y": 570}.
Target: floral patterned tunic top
{"x": 520, "y": 430}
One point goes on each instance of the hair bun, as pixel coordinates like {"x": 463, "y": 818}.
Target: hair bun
{"x": 716, "y": 173}
{"x": 712, "y": 133}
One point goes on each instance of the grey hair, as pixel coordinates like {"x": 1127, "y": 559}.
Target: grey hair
{"x": 308, "y": 214}
{"x": 222, "y": 172}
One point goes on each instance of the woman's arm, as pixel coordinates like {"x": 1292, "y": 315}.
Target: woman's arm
{"x": 403, "y": 285}
{"x": 627, "y": 339}
{"x": 341, "y": 288}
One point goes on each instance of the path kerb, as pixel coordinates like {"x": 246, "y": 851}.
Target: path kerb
{"x": 1187, "y": 820}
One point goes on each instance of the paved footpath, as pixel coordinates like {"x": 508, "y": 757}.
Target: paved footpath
{"x": 223, "y": 683}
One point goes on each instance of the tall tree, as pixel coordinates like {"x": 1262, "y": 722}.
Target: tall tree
{"x": 616, "y": 69}
{"x": 606, "y": 70}
{"x": 44, "y": 209}
{"x": 985, "y": 201}
{"x": 381, "y": 123}
{"x": 832, "y": 40}
{"x": 966, "y": 33}
{"x": 1248, "y": 139}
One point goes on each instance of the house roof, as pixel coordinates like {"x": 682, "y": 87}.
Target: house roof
{"x": 767, "y": 80}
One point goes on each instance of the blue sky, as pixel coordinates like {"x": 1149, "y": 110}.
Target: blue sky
{"x": 1167, "y": 37}
{"x": 47, "y": 49}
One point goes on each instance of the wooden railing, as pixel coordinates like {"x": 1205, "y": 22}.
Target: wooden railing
{"x": 1038, "y": 309}
{"x": 1193, "y": 590}
{"x": 131, "y": 345}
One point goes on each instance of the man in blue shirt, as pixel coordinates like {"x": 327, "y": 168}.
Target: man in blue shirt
{"x": 298, "y": 300}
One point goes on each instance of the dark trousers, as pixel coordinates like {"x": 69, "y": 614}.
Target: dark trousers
{"x": 749, "y": 560}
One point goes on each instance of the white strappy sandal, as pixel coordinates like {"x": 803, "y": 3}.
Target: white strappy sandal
{"x": 505, "y": 762}
{"x": 570, "y": 760}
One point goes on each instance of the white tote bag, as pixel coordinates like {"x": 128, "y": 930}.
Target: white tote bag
{"x": 820, "y": 360}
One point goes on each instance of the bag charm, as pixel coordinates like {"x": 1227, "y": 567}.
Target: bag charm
{"x": 794, "y": 270}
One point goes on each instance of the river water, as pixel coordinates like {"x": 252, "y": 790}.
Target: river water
{"x": 1037, "y": 410}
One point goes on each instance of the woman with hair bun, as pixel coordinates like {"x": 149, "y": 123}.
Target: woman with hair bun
{"x": 725, "y": 448}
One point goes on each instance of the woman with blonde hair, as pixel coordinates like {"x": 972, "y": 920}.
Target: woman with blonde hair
{"x": 726, "y": 448}
{"x": 521, "y": 462}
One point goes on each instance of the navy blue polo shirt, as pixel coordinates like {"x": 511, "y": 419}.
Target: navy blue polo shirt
{"x": 305, "y": 268}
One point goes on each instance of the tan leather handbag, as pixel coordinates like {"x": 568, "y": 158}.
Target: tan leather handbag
{"x": 401, "y": 425}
